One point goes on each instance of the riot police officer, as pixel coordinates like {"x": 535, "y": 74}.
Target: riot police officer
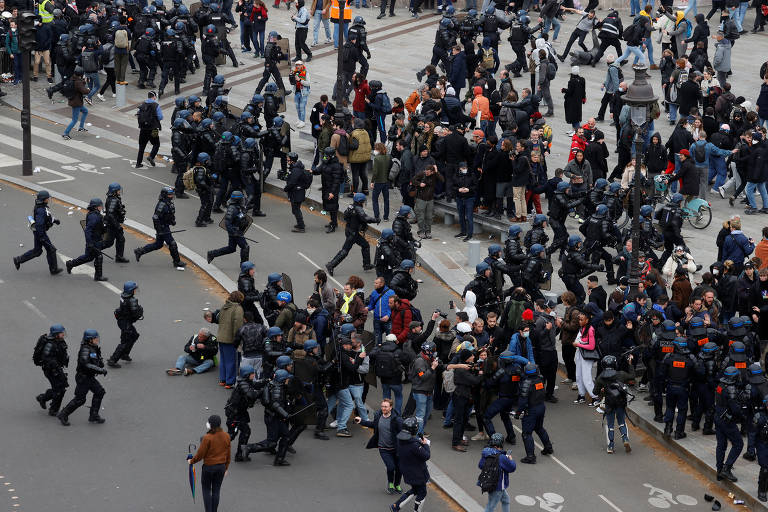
{"x": 89, "y": 364}
{"x": 243, "y": 397}
{"x": 331, "y": 174}
{"x": 180, "y": 151}
{"x": 51, "y": 355}
{"x": 94, "y": 241}
{"x": 402, "y": 283}
{"x": 128, "y": 313}
{"x": 250, "y": 174}
{"x": 599, "y": 231}
{"x": 500, "y": 268}
{"x": 559, "y": 208}
{"x": 612, "y": 384}
{"x": 269, "y": 297}
{"x": 204, "y": 182}
{"x": 275, "y": 398}
{"x": 217, "y": 89}
{"x": 210, "y": 50}
{"x": 272, "y": 57}
{"x": 575, "y": 267}
{"x": 385, "y": 258}
{"x": 507, "y": 381}
{"x": 357, "y": 222}
{"x": 247, "y": 286}
{"x": 236, "y": 222}
{"x": 676, "y": 371}
{"x": 172, "y": 58}
{"x": 146, "y": 57}
{"x": 536, "y": 234}
{"x": 756, "y": 388}
{"x": 727, "y": 416}
{"x": 661, "y": 346}
{"x": 704, "y": 388}
{"x": 357, "y": 29}
{"x": 487, "y": 297}
{"x": 513, "y": 251}
{"x": 114, "y": 216}
{"x": 309, "y": 367}
{"x": 445, "y": 39}
{"x": 532, "y": 404}
{"x": 404, "y": 239}
{"x": 533, "y": 271}
{"x": 760, "y": 426}
{"x": 163, "y": 218}
{"x": 671, "y": 222}
{"x": 649, "y": 236}
{"x": 41, "y": 221}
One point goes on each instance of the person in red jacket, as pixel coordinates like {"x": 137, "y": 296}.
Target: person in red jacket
{"x": 401, "y": 317}
{"x": 362, "y": 91}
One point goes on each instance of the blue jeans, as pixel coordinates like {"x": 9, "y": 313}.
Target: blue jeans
{"x": 423, "y": 409}
{"x": 397, "y": 389}
{"x": 718, "y": 169}
{"x": 301, "y": 99}
{"x": 380, "y": 189}
{"x": 616, "y": 416}
{"x": 336, "y": 33}
{"x": 673, "y": 117}
{"x": 448, "y": 413}
{"x": 188, "y": 360}
{"x": 649, "y": 47}
{"x": 634, "y": 7}
{"x": 763, "y": 122}
{"x": 246, "y": 33}
{"x": 227, "y": 363}
{"x": 380, "y": 329}
{"x": 496, "y": 497}
{"x": 634, "y": 50}
{"x": 316, "y": 26}
{"x": 76, "y": 111}
{"x": 466, "y": 208}
{"x": 750, "y": 190}
{"x": 345, "y": 408}
{"x": 555, "y": 24}
{"x": 356, "y": 391}
{"x": 740, "y": 13}
{"x": 18, "y": 68}
{"x": 94, "y": 82}
{"x": 691, "y": 7}
{"x": 257, "y": 37}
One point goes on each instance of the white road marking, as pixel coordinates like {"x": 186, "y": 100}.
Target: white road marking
{"x": 8, "y": 161}
{"x": 267, "y": 232}
{"x": 457, "y": 264}
{"x": 89, "y": 271}
{"x": 161, "y": 183}
{"x": 64, "y": 177}
{"x": 34, "y": 309}
{"x": 50, "y": 136}
{"x": 318, "y": 266}
{"x": 614, "y": 507}
{"x": 53, "y": 156}
{"x": 559, "y": 462}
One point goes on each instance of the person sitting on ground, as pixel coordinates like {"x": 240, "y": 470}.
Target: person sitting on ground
{"x": 198, "y": 357}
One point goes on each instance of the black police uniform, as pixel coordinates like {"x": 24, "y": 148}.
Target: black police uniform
{"x": 486, "y": 298}
{"x": 243, "y": 397}
{"x": 404, "y": 237}
{"x": 559, "y": 208}
{"x": 247, "y": 287}
{"x": 404, "y": 286}
{"x": 235, "y": 221}
{"x": 760, "y": 426}
{"x": 600, "y": 232}
{"x": 363, "y": 53}
{"x": 281, "y": 435}
{"x": 180, "y": 150}
{"x": 533, "y": 276}
{"x": 114, "y": 216}
{"x": 163, "y": 218}
{"x": 575, "y": 267}
{"x": 661, "y": 347}
{"x": 172, "y": 58}
{"x": 210, "y": 50}
{"x": 204, "y": 183}
{"x": 89, "y": 364}
{"x": 225, "y": 159}
{"x": 704, "y": 387}
{"x": 727, "y": 416}
{"x": 386, "y": 259}
{"x": 43, "y": 220}
{"x": 94, "y": 243}
{"x": 272, "y": 56}
{"x": 670, "y": 222}
{"x": 146, "y": 56}
{"x": 507, "y": 378}
{"x": 676, "y": 371}
{"x": 54, "y": 359}
{"x": 536, "y": 235}
{"x": 127, "y": 313}
{"x": 758, "y": 388}
{"x": 331, "y": 174}
{"x": 532, "y": 404}
{"x": 310, "y": 370}
{"x": 357, "y": 222}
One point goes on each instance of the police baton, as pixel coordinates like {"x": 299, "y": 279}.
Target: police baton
{"x": 177, "y": 231}
{"x": 251, "y": 240}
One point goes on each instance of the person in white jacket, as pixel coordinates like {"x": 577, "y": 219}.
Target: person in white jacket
{"x": 469, "y": 306}
{"x": 678, "y": 258}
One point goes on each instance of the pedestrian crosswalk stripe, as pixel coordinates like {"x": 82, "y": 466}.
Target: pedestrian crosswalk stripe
{"x": 50, "y": 136}
{"x": 53, "y": 156}
{"x": 8, "y": 161}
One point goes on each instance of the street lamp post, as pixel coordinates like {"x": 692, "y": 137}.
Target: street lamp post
{"x": 340, "y": 59}
{"x": 639, "y": 97}
{"x": 26, "y": 36}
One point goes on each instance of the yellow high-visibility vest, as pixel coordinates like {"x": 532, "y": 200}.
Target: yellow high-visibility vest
{"x": 335, "y": 11}
{"x": 46, "y": 16}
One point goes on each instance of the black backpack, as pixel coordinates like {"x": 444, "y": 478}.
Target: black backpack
{"x": 89, "y": 61}
{"x": 37, "y": 355}
{"x": 616, "y": 395}
{"x": 490, "y": 474}
{"x": 343, "y": 148}
{"x": 68, "y": 89}
{"x": 306, "y": 179}
{"x": 629, "y": 33}
{"x": 386, "y": 365}
{"x": 700, "y": 153}
{"x": 147, "y": 115}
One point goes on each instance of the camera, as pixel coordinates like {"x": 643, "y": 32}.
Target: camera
{"x": 444, "y": 315}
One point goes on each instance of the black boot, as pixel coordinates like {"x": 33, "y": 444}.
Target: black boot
{"x": 95, "y": 418}
{"x": 320, "y": 434}
{"x": 121, "y": 259}
{"x": 750, "y": 456}
{"x": 762, "y": 485}
{"x": 174, "y": 250}
{"x": 242, "y": 453}
{"x": 138, "y": 253}
{"x": 680, "y": 435}
{"x": 282, "y": 449}
{"x": 658, "y": 416}
{"x": 112, "y": 363}
{"x": 726, "y": 474}
{"x": 667, "y": 429}
{"x": 97, "y": 275}
{"x": 42, "y": 401}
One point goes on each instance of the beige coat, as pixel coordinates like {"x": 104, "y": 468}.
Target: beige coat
{"x": 363, "y": 152}
{"x": 326, "y": 6}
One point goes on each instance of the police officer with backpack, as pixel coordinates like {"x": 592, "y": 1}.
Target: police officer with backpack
{"x": 357, "y": 222}
{"x": 532, "y": 404}
{"x": 94, "y": 241}
{"x": 114, "y": 216}
{"x": 611, "y": 384}
{"x": 296, "y": 184}
{"x": 236, "y": 222}
{"x": 272, "y": 57}
{"x": 51, "y": 355}
{"x": 41, "y": 221}
{"x": 413, "y": 451}
{"x": 244, "y": 395}
{"x": 204, "y": 180}
{"x": 760, "y": 426}
{"x": 89, "y": 364}
{"x": 149, "y": 116}
{"x": 172, "y": 59}
{"x": 507, "y": 380}
{"x": 128, "y": 313}
{"x": 210, "y": 50}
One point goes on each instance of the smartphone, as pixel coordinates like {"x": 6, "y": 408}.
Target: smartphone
{"x": 451, "y": 304}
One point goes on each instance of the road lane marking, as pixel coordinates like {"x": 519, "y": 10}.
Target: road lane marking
{"x": 540, "y": 447}
{"x": 267, "y": 232}
{"x": 64, "y": 177}
{"x": 34, "y": 309}
{"x": 614, "y": 507}
{"x": 162, "y": 183}
{"x": 88, "y": 270}
{"x": 53, "y": 156}
{"x": 8, "y": 161}
{"x": 318, "y": 266}
{"x": 50, "y": 136}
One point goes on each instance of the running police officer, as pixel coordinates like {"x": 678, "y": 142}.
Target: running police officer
{"x": 114, "y": 216}
{"x": 727, "y": 416}
{"x": 272, "y": 57}
{"x": 89, "y": 364}
{"x": 204, "y": 181}
{"x": 310, "y": 367}
{"x": 236, "y": 222}
{"x": 532, "y": 404}
{"x": 51, "y": 355}
{"x": 41, "y": 221}
{"x": 94, "y": 241}
{"x": 128, "y": 313}
{"x": 163, "y": 218}
{"x": 243, "y": 397}
{"x": 357, "y": 222}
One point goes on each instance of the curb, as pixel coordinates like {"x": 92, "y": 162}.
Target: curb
{"x": 438, "y": 477}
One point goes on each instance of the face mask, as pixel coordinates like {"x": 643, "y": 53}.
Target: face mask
{"x": 463, "y": 171}
{"x": 207, "y": 426}
{"x": 715, "y": 271}
{"x": 526, "y": 334}
{"x": 310, "y": 311}
{"x": 375, "y": 152}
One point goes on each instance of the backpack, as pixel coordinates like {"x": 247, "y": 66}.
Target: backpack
{"x": 487, "y": 61}
{"x": 488, "y": 481}
{"x": 37, "y": 355}
{"x": 121, "y": 38}
{"x": 619, "y": 72}
{"x": 700, "y": 153}
{"x": 506, "y": 118}
{"x": 681, "y": 79}
{"x": 306, "y": 180}
{"x": 449, "y": 386}
{"x": 188, "y": 179}
{"x": 354, "y": 144}
{"x": 629, "y": 33}
{"x": 688, "y": 28}
{"x": 394, "y": 170}
{"x": 616, "y": 395}
{"x": 68, "y": 89}
{"x": 343, "y": 148}
{"x": 147, "y": 115}
{"x": 387, "y": 105}
{"x": 89, "y": 62}
{"x": 551, "y": 70}
{"x": 386, "y": 365}
{"x": 415, "y": 314}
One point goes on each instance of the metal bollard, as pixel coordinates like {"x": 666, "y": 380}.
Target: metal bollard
{"x": 120, "y": 95}
{"x": 473, "y": 255}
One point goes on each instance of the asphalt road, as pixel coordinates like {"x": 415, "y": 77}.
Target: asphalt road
{"x": 135, "y": 461}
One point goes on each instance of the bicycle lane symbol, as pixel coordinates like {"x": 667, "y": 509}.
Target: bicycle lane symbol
{"x": 660, "y": 498}
{"x": 549, "y": 501}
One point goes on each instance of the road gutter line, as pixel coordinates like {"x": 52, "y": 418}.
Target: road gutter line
{"x": 34, "y": 309}
{"x": 318, "y": 266}
{"x": 614, "y": 507}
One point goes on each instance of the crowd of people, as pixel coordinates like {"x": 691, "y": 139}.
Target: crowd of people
{"x": 488, "y": 150}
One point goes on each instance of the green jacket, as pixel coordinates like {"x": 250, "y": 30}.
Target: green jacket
{"x": 12, "y": 42}
{"x": 230, "y": 320}
{"x": 381, "y": 165}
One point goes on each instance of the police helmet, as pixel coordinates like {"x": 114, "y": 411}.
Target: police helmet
{"x": 329, "y": 153}
{"x": 614, "y": 187}
{"x": 730, "y": 375}
{"x": 166, "y": 192}
{"x": 428, "y": 348}
{"x": 292, "y": 156}
{"x": 183, "y": 10}
{"x": 524, "y": 20}
{"x": 180, "y": 121}
{"x": 236, "y": 196}
{"x": 404, "y": 210}
{"x": 347, "y": 330}
{"x": 531, "y": 369}
{"x": 310, "y": 345}
{"x": 246, "y": 115}
{"x": 170, "y": 32}
{"x": 496, "y": 440}
{"x": 271, "y": 87}
{"x": 480, "y": 268}
{"x": 573, "y": 241}
{"x": 387, "y": 233}
{"x": 472, "y": 12}
{"x": 274, "y": 277}
{"x": 114, "y": 24}
{"x": 219, "y": 101}
{"x": 203, "y": 158}
{"x": 283, "y": 362}
{"x": 677, "y": 198}
{"x": 358, "y": 20}
{"x": 42, "y": 195}
{"x": 668, "y": 330}
{"x": 736, "y": 327}
{"x": 450, "y": 10}
{"x": 215, "y": 7}
{"x": 179, "y": 26}
{"x": 610, "y": 362}
{"x": 277, "y": 122}
{"x": 446, "y": 23}
{"x": 218, "y": 116}
{"x": 246, "y": 370}
{"x": 411, "y": 425}
{"x": 646, "y": 210}
{"x": 180, "y": 102}
{"x": 56, "y": 329}
{"x": 95, "y": 203}
{"x": 63, "y": 38}
{"x": 207, "y": 123}
{"x": 696, "y": 327}
{"x": 273, "y": 34}
{"x": 537, "y": 249}
{"x": 563, "y": 186}
{"x": 539, "y": 219}
{"x": 681, "y": 345}
{"x": 284, "y": 296}
{"x": 218, "y": 80}
{"x": 274, "y": 331}
{"x": 113, "y": 187}
{"x": 129, "y": 286}
{"x": 90, "y": 334}
{"x": 150, "y": 32}
{"x": 601, "y": 210}
{"x": 755, "y": 369}
{"x": 249, "y": 143}
{"x": 514, "y": 231}
{"x": 146, "y": 10}
{"x": 235, "y": 140}
{"x": 282, "y": 376}
{"x": 490, "y": 10}
{"x": 246, "y": 266}
{"x": 738, "y": 347}
{"x": 709, "y": 349}
{"x": 407, "y": 264}
{"x": 601, "y": 183}
{"x": 257, "y": 98}
{"x": 494, "y": 249}
{"x": 210, "y": 29}
{"x": 226, "y": 136}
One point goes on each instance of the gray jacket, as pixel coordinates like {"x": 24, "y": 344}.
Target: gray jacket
{"x": 612, "y": 81}
{"x": 722, "y": 60}
{"x": 545, "y": 339}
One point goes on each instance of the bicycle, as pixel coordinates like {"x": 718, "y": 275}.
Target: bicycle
{"x": 697, "y": 212}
